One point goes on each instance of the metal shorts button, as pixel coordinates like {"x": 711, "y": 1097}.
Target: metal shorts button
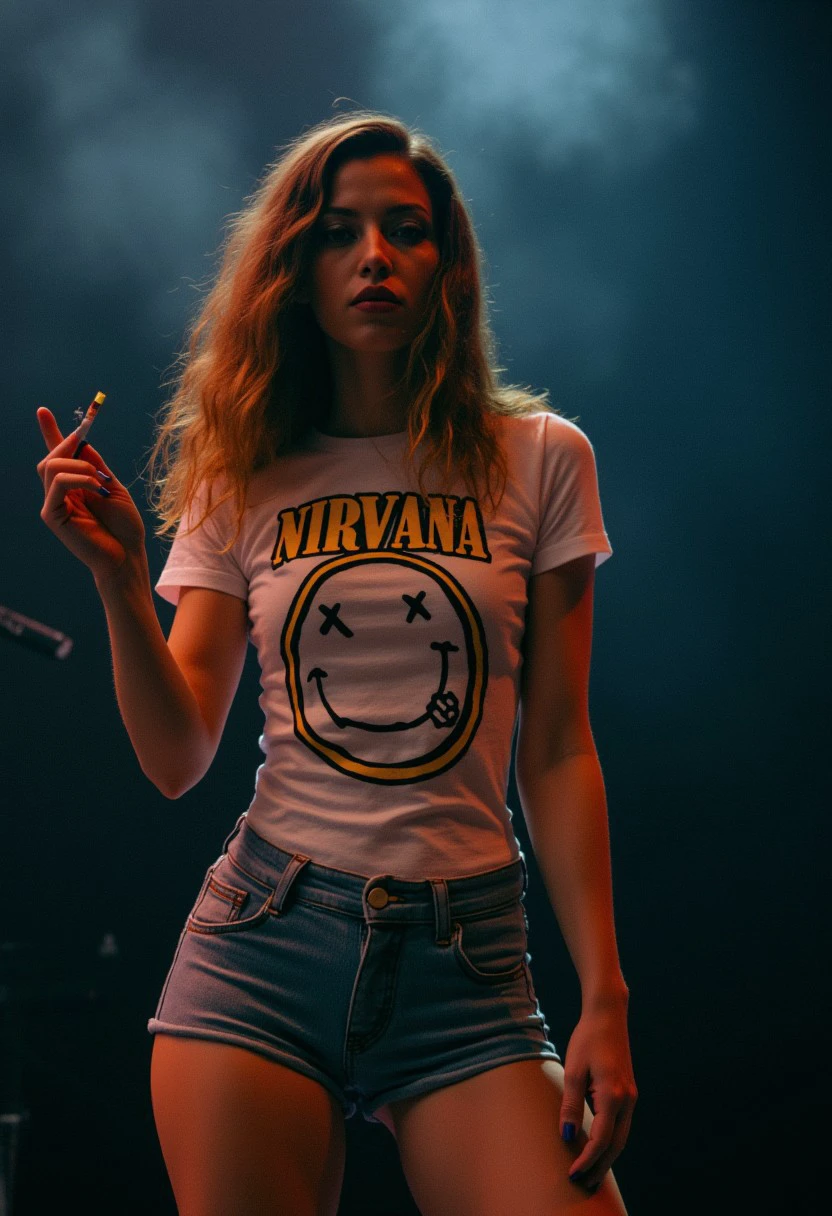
{"x": 378, "y": 897}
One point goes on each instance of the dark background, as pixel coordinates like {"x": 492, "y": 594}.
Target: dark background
{"x": 650, "y": 185}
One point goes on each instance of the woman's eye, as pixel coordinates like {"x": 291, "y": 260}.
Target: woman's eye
{"x": 413, "y": 232}
{"x": 329, "y": 234}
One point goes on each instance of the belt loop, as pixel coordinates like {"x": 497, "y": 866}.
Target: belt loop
{"x": 525, "y": 872}
{"x": 442, "y": 908}
{"x": 293, "y": 867}
{"x": 234, "y": 831}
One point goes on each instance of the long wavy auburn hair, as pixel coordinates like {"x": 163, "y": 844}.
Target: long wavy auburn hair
{"x": 253, "y": 376}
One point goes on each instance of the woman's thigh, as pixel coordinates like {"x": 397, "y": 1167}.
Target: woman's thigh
{"x": 243, "y": 1133}
{"x": 491, "y": 1144}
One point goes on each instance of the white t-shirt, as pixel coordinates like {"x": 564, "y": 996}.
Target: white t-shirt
{"x": 388, "y": 638}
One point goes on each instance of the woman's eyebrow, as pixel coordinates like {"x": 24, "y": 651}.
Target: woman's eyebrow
{"x": 395, "y": 209}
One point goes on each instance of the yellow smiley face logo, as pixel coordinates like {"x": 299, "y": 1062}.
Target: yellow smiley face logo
{"x": 409, "y": 621}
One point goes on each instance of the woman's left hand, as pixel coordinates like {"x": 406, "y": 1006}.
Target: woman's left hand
{"x": 598, "y": 1066}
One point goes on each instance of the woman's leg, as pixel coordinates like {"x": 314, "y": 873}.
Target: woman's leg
{"x": 490, "y": 1144}
{"x": 241, "y": 1133}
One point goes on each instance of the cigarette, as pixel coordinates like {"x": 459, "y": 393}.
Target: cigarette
{"x": 88, "y": 419}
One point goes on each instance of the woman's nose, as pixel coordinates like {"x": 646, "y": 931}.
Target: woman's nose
{"x": 375, "y": 250}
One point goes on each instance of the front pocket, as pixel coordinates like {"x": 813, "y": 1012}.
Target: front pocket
{"x": 492, "y": 948}
{"x": 226, "y": 906}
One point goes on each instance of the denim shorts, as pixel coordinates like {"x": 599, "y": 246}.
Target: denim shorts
{"x": 379, "y": 988}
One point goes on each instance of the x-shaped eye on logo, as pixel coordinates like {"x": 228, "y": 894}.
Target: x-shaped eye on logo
{"x": 332, "y": 618}
{"x": 416, "y": 605}
{"x": 414, "y": 602}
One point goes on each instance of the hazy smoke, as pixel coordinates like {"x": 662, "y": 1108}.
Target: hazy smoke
{"x": 556, "y": 77}
{"x": 123, "y": 163}
{"x": 521, "y": 98}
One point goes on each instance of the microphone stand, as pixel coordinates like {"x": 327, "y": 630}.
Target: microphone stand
{"x": 33, "y": 634}
{"x": 13, "y": 1114}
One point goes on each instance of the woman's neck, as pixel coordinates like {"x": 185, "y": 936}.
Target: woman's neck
{"x": 366, "y": 398}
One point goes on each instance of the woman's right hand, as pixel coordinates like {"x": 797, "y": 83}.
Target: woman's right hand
{"x": 102, "y": 531}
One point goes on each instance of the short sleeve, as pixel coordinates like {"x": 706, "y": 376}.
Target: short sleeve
{"x": 571, "y": 522}
{"x": 194, "y": 559}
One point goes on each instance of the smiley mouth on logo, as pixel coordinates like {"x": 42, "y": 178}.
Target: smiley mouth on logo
{"x": 442, "y": 709}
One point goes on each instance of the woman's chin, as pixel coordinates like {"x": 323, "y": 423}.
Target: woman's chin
{"x": 374, "y": 344}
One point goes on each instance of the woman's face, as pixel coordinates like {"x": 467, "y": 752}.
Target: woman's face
{"x": 376, "y": 231}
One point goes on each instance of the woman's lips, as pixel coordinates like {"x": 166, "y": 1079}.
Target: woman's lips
{"x": 376, "y": 305}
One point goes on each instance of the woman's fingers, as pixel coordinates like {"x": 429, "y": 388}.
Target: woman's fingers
{"x": 600, "y": 1135}
{"x": 63, "y": 447}
{"x": 95, "y": 458}
{"x": 55, "y": 509}
{"x": 49, "y": 428}
{"x": 58, "y": 445}
{"x": 100, "y": 531}
{"x": 593, "y": 1176}
{"x": 58, "y": 464}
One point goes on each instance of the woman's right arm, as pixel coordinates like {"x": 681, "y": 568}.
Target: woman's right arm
{"x": 174, "y": 695}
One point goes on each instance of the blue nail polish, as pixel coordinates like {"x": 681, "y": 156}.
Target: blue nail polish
{"x": 576, "y": 1177}
{"x": 103, "y": 490}
{"x": 104, "y": 476}
{"x": 569, "y": 1131}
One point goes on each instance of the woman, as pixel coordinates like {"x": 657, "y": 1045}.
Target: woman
{"x": 361, "y": 941}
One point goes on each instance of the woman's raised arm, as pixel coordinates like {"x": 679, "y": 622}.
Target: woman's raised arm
{"x": 173, "y": 696}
